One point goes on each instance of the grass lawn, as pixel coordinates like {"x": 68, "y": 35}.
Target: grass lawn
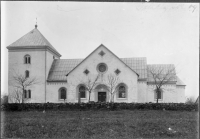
{"x": 100, "y": 124}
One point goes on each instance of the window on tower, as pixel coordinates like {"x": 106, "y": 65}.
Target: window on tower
{"x": 26, "y": 73}
{"x": 27, "y": 59}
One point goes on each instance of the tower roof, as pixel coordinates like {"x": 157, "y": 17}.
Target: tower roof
{"x": 33, "y": 39}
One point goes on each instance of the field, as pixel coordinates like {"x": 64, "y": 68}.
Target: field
{"x": 100, "y": 124}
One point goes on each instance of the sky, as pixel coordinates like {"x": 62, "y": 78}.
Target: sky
{"x": 164, "y": 33}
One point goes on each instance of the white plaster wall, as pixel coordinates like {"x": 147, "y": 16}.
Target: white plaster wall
{"x": 126, "y": 76}
{"x": 53, "y": 92}
{"x": 142, "y": 91}
{"x": 169, "y": 95}
{"x": 136, "y": 91}
{"x": 180, "y": 94}
{"x": 36, "y": 69}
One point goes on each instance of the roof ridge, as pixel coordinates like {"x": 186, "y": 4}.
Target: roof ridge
{"x": 46, "y": 40}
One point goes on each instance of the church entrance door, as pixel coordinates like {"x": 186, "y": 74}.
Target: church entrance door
{"x": 101, "y": 96}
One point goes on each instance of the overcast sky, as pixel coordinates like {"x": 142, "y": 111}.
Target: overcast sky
{"x": 165, "y": 33}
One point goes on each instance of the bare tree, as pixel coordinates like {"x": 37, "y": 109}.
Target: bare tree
{"x": 16, "y": 96}
{"x": 160, "y": 76}
{"x": 90, "y": 84}
{"x": 21, "y": 83}
{"x": 112, "y": 83}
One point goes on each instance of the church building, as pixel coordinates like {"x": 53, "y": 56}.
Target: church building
{"x": 101, "y": 76}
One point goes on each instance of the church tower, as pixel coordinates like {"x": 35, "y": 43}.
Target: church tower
{"x": 30, "y": 57}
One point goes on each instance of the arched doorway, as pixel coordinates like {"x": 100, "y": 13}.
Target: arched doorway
{"x": 102, "y": 93}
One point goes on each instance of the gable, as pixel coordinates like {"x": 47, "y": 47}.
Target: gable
{"x": 99, "y": 49}
{"x": 61, "y": 67}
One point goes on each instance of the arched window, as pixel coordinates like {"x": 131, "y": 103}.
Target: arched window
{"x": 122, "y": 91}
{"x": 82, "y": 92}
{"x": 26, "y": 73}
{"x": 63, "y": 93}
{"x": 27, "y": 59}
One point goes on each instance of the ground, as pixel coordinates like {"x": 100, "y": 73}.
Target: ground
{"x": 100, "y": 124}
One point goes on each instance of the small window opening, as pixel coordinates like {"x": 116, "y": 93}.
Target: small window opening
{"x": 26, "y": 73}
{"x": 27, "y": 59}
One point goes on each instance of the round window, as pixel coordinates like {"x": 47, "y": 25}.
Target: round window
{"x": 102, "y": 67}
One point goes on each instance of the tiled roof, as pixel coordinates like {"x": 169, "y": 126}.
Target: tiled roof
{"x": 102, "y": 46}
{"x": 62, "y": 67}
{"x": 34, "y": 38}
{"x": 161, "y": 67}
{"x": 138, "y": 64}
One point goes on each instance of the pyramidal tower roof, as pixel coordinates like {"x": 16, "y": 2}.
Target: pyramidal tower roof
{"x": 33, "y": 39}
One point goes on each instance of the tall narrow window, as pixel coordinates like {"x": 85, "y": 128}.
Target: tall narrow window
{"x": 27, "y": 59}
{"x": 122, "y": 91}
{"x": 63, "y": 93}
{"x": 26, "y": 73}
{"x": 82, "y": 92}
{"x": 29, "y": 93}
{"x": 25, "y": 94}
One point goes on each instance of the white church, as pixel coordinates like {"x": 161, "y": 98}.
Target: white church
{"x": 66, "y": 80}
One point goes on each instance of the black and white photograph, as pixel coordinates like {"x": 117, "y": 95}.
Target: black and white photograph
{"x": 99, "y": 70}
